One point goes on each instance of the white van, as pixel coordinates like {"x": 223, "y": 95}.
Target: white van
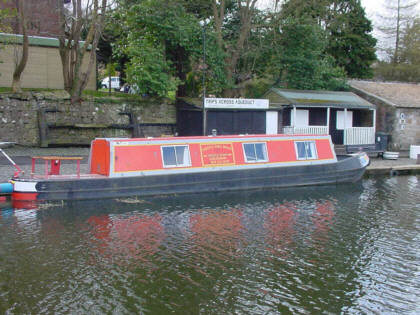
{"x": 115, "y": 83}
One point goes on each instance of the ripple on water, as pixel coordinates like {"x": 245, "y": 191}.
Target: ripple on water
{"x": 344, "y": 249}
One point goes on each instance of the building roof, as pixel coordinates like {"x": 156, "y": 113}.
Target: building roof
{"x": 395, "y": 94}
{"x": 306, "y": 98}
{"x": 33, "y": 40}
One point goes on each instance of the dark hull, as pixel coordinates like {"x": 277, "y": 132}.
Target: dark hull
{"x": 347, "y": 170}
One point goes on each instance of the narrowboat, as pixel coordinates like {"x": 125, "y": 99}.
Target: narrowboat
{"x": 175, "y": 165}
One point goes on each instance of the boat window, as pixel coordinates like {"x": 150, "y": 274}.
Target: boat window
{"x": 255, "y": 152}
{"x": 306, "y": 150}
{"x": 176, "y": 156}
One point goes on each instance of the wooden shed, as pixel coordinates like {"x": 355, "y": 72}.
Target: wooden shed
{"x": 348, "y": 118}
{"x": 43, "y": 69}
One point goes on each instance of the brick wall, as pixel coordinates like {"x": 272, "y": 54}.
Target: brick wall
{"x": 42, "y": 16}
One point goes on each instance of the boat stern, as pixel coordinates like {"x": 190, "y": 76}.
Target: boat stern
{"x": 24, "y": 190}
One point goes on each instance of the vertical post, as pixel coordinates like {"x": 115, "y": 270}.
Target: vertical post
{"x": 294, "y": 118}
{"x": 345, "y": 127}
{"x": 374, "y": 119}
{"x": 328, "y": 120}
{"x": 109, "y": 80}
{"x": 33, "y": 168}
{"x": 46, "y": 168}
{"x": 43, "y": 128}
{"x": 374, "y": 125}
{"x": 204, "y": 80}
{"x": 78, "y": 169}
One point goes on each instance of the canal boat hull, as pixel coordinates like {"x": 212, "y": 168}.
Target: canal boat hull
{"x": 199, "y": 178}
{"x": 344, "y": 171}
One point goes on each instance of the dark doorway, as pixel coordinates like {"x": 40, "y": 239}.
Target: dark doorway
{"x": 189, "y": 122}
{"x": 337, "y": 136}
{"x": 236, "y": 122}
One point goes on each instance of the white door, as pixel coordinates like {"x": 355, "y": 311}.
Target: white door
{"x": 340, "y": 119}
{"x": 302, "y": 118}
{"x": 271, "y": 122}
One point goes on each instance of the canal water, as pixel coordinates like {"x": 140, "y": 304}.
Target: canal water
{"x": 334, "y": 249}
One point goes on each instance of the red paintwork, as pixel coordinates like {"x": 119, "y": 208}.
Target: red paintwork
{"x": 132, "y": 157}
{"x": 324, "y": 149}
{"x": 128, "y": 158}
{"x": 281, "y": 151}
{"x": 24, "y": 196}
{"x": 55, "y": 167}
{"x": 99, "y": 163}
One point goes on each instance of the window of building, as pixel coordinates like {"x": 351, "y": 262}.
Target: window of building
{"x": 306, "y": 150}
{"x": 176, "y": 156}
{"x": 255, "y": 152}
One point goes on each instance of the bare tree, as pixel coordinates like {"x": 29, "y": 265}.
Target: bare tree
{"x": 399, "y": 14}
{"x": 21, "y": 51}
{"x": 80, "y": 16}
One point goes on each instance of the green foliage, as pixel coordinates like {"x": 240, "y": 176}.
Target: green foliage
{"x": 347, "y": 31}
{"x": 257, "y": 88}
{"x": 350, "y": 41}
{"x": 149, "y": 70}
{"x": 163, "y": 42}
{"x": 389, "y": 71}
{"x": 308, "y": 45}
{"x": 110, "y": 69}
{"x": 301, "y": 63}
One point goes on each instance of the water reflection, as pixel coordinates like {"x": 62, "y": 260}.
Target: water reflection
{"x": 344, "y": 249}
{"x": 134, "y": 237}
{"x": 322, "y": 220}
{"x": 279, "y": 226}
{"x": 217, "y": 232}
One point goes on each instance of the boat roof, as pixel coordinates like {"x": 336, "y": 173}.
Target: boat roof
{"x": 222, "y": 137}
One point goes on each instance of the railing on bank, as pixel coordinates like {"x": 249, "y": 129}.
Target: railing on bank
{"x": 315, "y": 130}
{"x": 353, "y": 135}
{"x": 359, "y": 135}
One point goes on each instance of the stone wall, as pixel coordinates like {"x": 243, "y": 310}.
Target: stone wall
{"x": 403, "y": 129}
{"x": 31, "y": 118}
{"x": 406, "y": 128}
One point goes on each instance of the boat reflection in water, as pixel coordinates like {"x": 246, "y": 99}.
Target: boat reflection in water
{"x": 322, "y": 218}
{"x": 279, "y": 226}
{"x": 123, "y": 237}
{"x": 217, "y": 233}
{"x": 221, "y": 229}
